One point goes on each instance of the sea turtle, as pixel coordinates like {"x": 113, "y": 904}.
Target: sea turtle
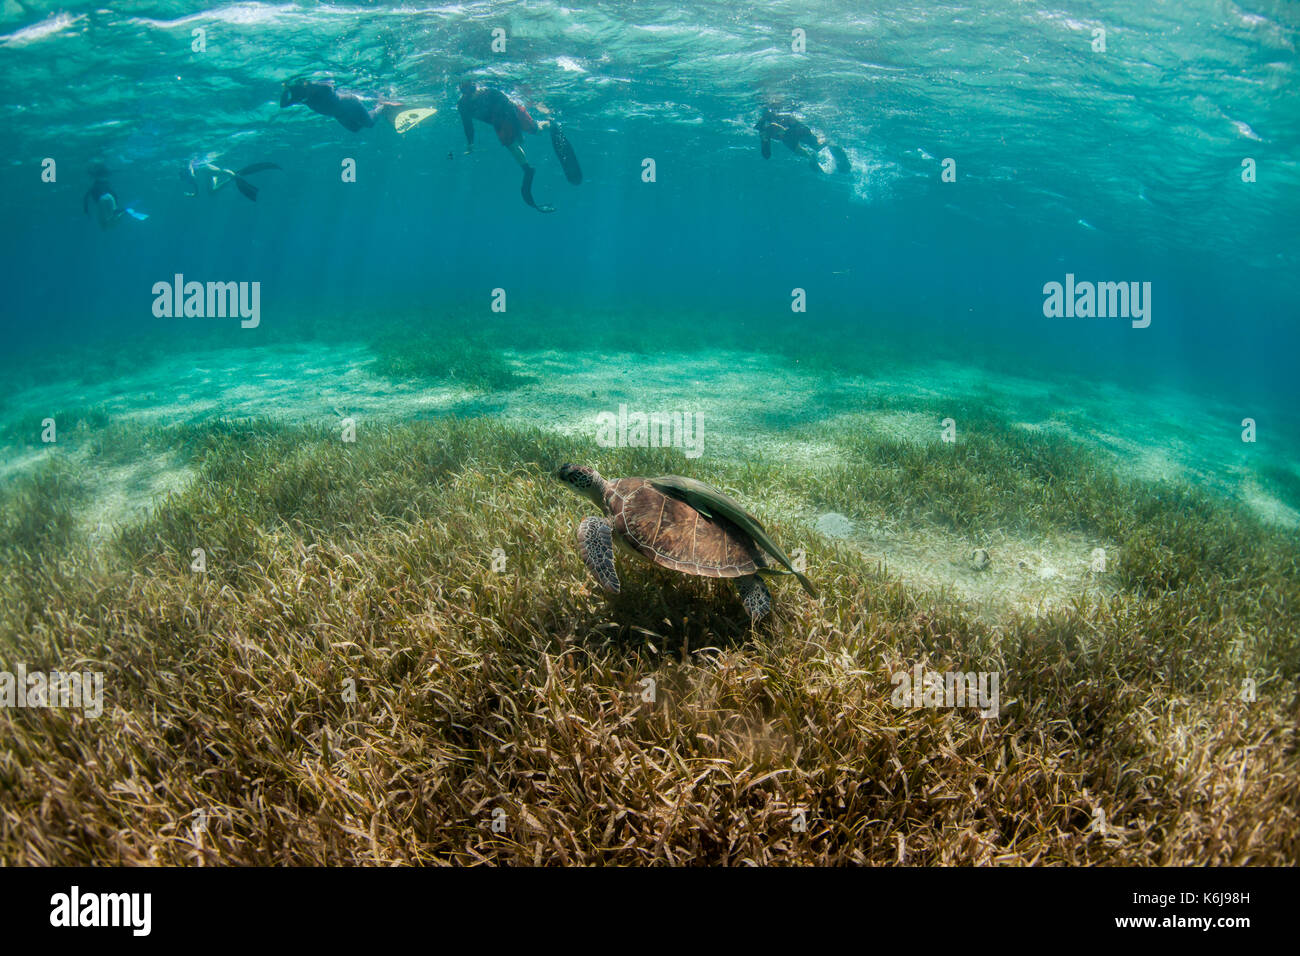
{"x": 681, "y": 524}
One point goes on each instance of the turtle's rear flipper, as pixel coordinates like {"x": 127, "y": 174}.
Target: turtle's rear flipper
{"x": 754, "y": 595}
{"x": 596, "y": 542}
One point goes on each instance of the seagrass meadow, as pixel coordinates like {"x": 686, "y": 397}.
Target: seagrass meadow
{"x": 351, "y": 681}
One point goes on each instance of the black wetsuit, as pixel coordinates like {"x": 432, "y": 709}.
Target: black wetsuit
{"x": 800, "y": 140}
{"x": 97, "y": 191}
{"x": 508, "y": 118}
{"x": 321, "y": 97}
{"x": 788, "y": 129}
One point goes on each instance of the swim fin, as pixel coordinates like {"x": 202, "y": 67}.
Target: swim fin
{"x": 256, "y": 168}
{"x": 526, "y": 190}
{"x": 765, "y": 146}
{"x": 142, "y": 216}
{"x": 565, "y": 154}
{"x": 409, "y": 119}
{"x": 244, "y": 186}
{"x": 842, "y": 164}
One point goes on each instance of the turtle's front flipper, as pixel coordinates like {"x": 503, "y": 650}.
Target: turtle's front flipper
{"x": 754, "y": 595}
{"x": 596, "y": 542}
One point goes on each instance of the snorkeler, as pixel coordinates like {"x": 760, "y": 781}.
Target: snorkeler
{"x": 510, "y": 121}
{"x": 108, "y": 209}
{"x": 321, "y": 97}
{"x": 198, "y": 176}
{"x": 801, "y": 140}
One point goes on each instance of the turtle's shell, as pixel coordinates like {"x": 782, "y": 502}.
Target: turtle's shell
{"x": 671, "y": 533}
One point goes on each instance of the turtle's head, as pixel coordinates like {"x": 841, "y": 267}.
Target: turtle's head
{"x": 584, "y": 480}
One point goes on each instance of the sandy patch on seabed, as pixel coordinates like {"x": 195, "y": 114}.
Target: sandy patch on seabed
{"x": 126, "y": 493}
{"x": 304, "y": 383}
{"x": 1014, "y": 575}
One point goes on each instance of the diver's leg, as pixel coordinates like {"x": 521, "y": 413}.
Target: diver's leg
{"x": 383, "y": 111}
{"x": 807, "y": 154}
{"x": 526, "y": 190}
{"x": 510, "y": 140}
{"x": 525, "y": 122}
{"x": 106, "y": 211}
{"x": 842, "y": 162}
{"x": 804, "y": 152}
{"x": 352, "y": 113}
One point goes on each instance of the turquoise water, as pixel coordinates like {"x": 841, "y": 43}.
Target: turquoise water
{"x": 1117, "y": 166}
{"x": 226, "y": 517}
